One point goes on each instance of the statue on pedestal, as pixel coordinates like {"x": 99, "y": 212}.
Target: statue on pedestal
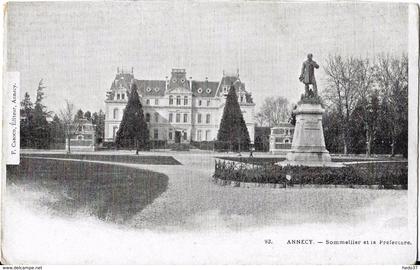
{"x": 307, "y": 76}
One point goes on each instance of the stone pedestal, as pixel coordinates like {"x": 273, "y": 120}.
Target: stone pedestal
{"x": 308, "y": 146}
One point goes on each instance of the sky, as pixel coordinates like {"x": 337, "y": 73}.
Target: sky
{"x": 76, "y": 47}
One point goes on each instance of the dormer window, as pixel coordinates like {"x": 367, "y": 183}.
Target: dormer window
{"x": 208, "y": 90}
{"x": 182, "y": 80}
{"x": 148, "y": 89}
{"x": 200, "y": 90}
{"x": 156, "y": 89}
{"x": 174, "y": 80}
{"x": 225, "y": 88}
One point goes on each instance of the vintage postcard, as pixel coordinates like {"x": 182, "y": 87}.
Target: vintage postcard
{"x": 209, "y": 132}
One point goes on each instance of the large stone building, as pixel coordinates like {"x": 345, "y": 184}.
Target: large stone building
{"x": 177, "y": 109}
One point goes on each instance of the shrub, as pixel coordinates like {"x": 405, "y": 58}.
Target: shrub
{"x": 386, "y": 175}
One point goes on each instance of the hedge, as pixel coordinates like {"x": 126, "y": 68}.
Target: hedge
{"x": 383, "y": 174}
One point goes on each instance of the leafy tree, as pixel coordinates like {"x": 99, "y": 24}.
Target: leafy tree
{"x": 79, "y": 115}
{"x": 88, "y": 115}
{"x": 57, "y": 130}
{"x": 133, "y": 131}
{"x": 233, "y": 130}
{"x": 26, "y": 123}
{"x": 98, "y": 119}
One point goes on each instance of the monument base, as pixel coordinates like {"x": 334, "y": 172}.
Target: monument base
{"x": 308, "y": 146}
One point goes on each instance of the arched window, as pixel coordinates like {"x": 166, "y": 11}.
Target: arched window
{"x": 171, "y": 100}
{"x": 147, "y": 117}
{"x": 116, "y": 113}
{"x": 178, "y": 100}
{"x": 185, "y": 100}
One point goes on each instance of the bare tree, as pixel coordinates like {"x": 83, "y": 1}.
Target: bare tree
{"x": 341, "y": 91}
{"x": 69, "y": 123}
{"x": 275, "y": 110}
{"x": 392, "y": 80}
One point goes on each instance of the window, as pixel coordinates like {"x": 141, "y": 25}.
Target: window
{"x": 199, "y": 118}
{"x": 155, "y": 134}
{"x": 207, "y": 135}
{"x": 178, "y": 100}
{"x": 242, "y": 98}
{"x": 171, "y": 100}
{"x": 208, "y": 102}
{"x": 156, "y": 101}
{"x": 148, "y": 101}
{"x": 156, "y": 89}
{"x": 114, "y": 132}
{"x": 185, "y": 136}
{"x": 182, "y": 80}
{"x": 199, "y": 102}
{"x": 200, "y": 90}
{"x": 178, "y": 117}
{"x": 286, "y": 141}
{"x": 185, "y": 118}
{"x": 225, "y": 89}
{"x": 185, "y": 100}
{"x": 170, "y": 135}
{"x": 148, "y": 89}
{"x": 116, "y": 113}
{"x": 156, "y": 117}
{"x": 208, "y": 90}
{"x": 208, "y": 118}
{"x": 118, "y": 96}
{"x": 198, "y": 135}
{"x": 122, "y": 96}
{"x": 170, "y": 117}
{"x": 80, "y": 137}
{"x": 147, "y": 117}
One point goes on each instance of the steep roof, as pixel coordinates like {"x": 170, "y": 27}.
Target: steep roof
{"x": 151, "y": 87}
{"x": 228, "y": 81}
{"x": 204, "y": 88}
{"x": 122, "y": 80}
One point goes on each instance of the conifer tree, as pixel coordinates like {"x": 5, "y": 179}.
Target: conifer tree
{"x": 133, "y": 131}
{"x": 232, "y": 131}
{"x": 40, "y": 133}
{"x": 26, "y": 124}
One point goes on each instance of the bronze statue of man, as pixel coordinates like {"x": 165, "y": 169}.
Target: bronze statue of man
{"x": 307, "y": 76}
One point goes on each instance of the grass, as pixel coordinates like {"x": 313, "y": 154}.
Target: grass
{"x": 110, "y": 192}
{"x": 152, "y": 160}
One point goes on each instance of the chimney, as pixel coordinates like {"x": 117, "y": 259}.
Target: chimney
{"x": 132, "y": 71}
{"x": 118, "y": 70}
{"x": 166, "y": 83}
{"x": 190, "y": 83}
{"x": 237, "y": 72}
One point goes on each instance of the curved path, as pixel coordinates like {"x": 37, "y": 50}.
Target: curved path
{"x": 193, "y": 202}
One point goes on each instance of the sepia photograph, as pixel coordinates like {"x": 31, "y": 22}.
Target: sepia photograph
{"x": 209, "y": 132}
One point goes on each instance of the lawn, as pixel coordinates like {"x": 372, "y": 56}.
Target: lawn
{"x": 110, "y": 192}
{"x": 152, "y": 160}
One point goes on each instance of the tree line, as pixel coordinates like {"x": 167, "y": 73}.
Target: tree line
{"x": 42, "y": 129}
{"x": 366, "y": 106}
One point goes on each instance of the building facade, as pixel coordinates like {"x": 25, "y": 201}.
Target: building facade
{"x": 177, "y": 109}
{"x": 83, "y": 138}
{"x": 281, "y": 138}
